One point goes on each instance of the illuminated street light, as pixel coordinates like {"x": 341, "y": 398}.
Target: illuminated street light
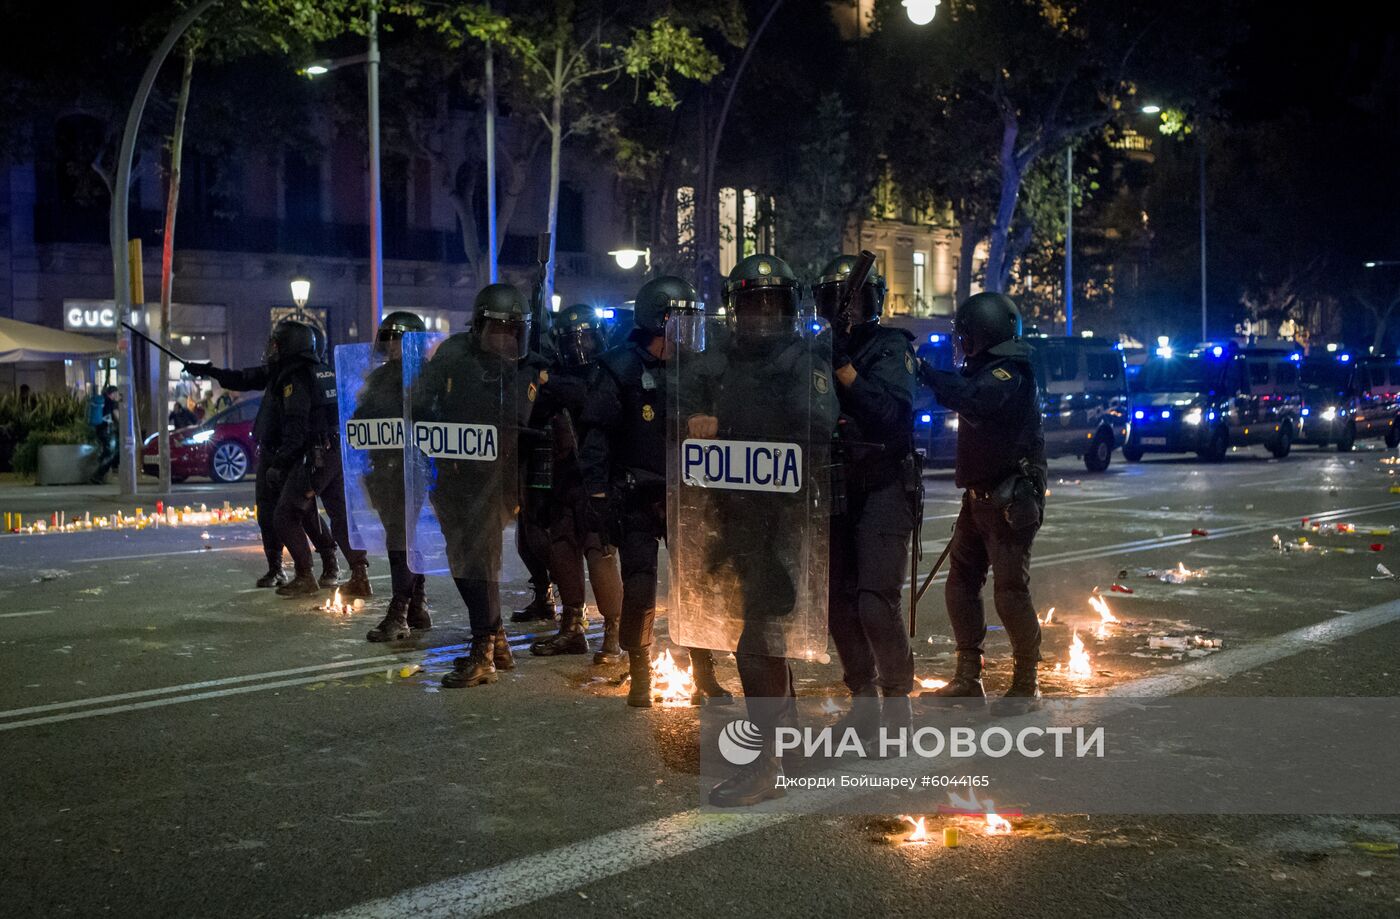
{"x": 921, "y": 12}
{"x": 1151, "y": 109}
{"x": 301, "y": 291}
{"x": 316, "y": 69}
{"x": 627, "y": 259}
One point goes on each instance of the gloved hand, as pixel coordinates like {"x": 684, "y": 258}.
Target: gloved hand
{"x": 199, "y": 368}
{"x": 840, "y": 354}
{"x": 274, "y": 476}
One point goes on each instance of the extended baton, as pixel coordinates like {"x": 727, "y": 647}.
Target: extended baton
{"x": 928, "y": 581}
{"x": 152, "y": 341}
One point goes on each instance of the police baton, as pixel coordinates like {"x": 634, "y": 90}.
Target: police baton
{"x": 928, "y": 581}
{"x": 152, "y": 341}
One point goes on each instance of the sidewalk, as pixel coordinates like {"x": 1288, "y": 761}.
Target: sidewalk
{"x": 23, "y": 497}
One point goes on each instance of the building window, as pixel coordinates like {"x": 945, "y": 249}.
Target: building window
{"x": 920, "y": 290}
{"x": 685, "y": 216}
{"x": 729, "y": 232}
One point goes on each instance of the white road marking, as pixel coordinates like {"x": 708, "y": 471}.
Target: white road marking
{"x": 536, "y": 877}
{"x": 32, "y": 612}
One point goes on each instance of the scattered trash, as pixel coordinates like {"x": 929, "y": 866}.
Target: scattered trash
{"x": 1178, "y": 575}
{"x": 1120, "y": 589}
{"x": 1199, "y": 532}
{"x": 50, "y": 574}
{"x": 1377, "y": 547}
{"x": 410, "y": 670}
{"x": 1384, "y": 574}
{"x": 1379, "y": 849}
{"x": 950, "y": 837}
{"x": 1184, "y": 643}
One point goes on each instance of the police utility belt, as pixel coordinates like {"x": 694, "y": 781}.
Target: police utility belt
{"x": 1018, "y": 496}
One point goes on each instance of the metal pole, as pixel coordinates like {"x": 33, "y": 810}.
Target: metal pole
{"x": 1201, "y": 148}
{"x": 1069, "y": 241}
{"x": 490, "y": 92}
{"x": 376, "y": 225}
{"x": 121, "y": 271}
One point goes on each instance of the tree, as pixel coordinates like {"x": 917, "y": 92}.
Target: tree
{"x": 567, "y": 49}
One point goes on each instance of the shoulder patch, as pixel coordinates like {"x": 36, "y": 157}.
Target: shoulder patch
{"x": 532, "y": 392}
{"x": 820, "y": 382}
{"x": 286, "y": 390}
{"x": 908, "y": 362}
{"x": 544, "y": 376}
{"x": 1001, "y": 373}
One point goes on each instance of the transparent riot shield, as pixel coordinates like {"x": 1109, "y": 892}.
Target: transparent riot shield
{"x": 370, "y": 395}
{"x": 461, "y": 423}
{"x": 750, "y": 422}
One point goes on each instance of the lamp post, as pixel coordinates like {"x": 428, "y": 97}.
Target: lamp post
{"x": 376, "y": 223}
{"x": 921, "y": 12}
{"x": 1069, "y": 240}
{"x": 301, "y": 292}
{"x": 627, "y": 259}
{"x": 121, "y": 267}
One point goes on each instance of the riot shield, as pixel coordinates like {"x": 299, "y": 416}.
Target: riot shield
{"x": 370, "y": 395}
{"x": 461, "y": 425}
{"x": 750, "y": 423}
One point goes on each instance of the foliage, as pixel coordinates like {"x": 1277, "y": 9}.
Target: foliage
{"x": 817, "y": 191}
{"x": 43, "y": 418}
{"x": 25, "y": 461}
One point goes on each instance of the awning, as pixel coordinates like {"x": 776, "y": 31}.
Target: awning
{"x": 25, "y": 341}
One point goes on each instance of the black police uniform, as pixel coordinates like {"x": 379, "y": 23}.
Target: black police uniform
{"x": 870, "y": 539}
{"x": 308, "y": 452}
{"x": 382, "y": 397}
{"x": 999, "y": 436}
{"x": 572, "y": 539}
{"x": 475, "y": 501}
{"x": 623, "y": 454}
{"x": 267, "y": 431}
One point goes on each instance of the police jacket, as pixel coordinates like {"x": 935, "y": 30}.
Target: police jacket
{"x": 767, "y": 390}
{"x": 298, "y": 411}
{"x": 877, "y": 410}
{"x": 558, "y": 409}
{"x": 382, "y": 397}
{"x": 624, "y": 419}
{"x": 267, "y": 425}
{"x": 998, "y": 406}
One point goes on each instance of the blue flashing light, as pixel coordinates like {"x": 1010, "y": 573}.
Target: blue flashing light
{"x": 926, "y": 418}
{"x": 1344, "y": 358}
{"x": 598, "y": 311}
{"x": 1295, "y": 356}
{"x": 1217, "y": 351}
{"x": 816, "y": 327}
{"x": 935, "y": 339}
{"x": 609, "y": 313}
{"x": 1307, "y": 412}
{"x": 1211, "y": 416}
{"x": 1166, "y": 413}
{"x": 1139, "y": 415}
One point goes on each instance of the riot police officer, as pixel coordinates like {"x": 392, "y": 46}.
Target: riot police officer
{"x": 308, "y": 457}
{"x": 623, "y": 463}
{"x": 484, "y": 377}
{"x": 579, "y": 337}
{"x": 870, "y": 530}
{"x": 268, "y": 487}
{"x": 1001, "y": 467}
{"x": 382, "y": 397}
{"x": 771, "y": 382}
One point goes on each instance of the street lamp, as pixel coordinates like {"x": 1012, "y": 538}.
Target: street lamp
{"x": 1151, "y": 109}
{"x": 301, "y": 291}
{"x": 921, "y": 12}
{"x": 627, "y": 259}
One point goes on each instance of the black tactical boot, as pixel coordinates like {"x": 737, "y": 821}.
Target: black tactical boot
{"x": 863, "y": 718}
{"x": 303, "y": 585}
{"x": 330, "y": 571}
{"x": 967, "y": 679}
{"x": 500, "y": 650}
{"x": 639, "y": 672}
{"x": 702, "y": 670}
{"x": 275, "y": 577}
{"x": 358, "y": 585}
{"x": 419, "y": 618}
{"x": 394, "y": 626}
{"x": 474, "y": 669}
{"x": 610, "y": 652}
{"x": 1024, "y": 694}
{"x": 569, "y": 640}
{"x": 541, "y": 609}
{"x": 896, "y": 720}
{"x": 752, "y": 784}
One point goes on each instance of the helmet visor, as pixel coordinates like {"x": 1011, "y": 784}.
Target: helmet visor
{"x": 827, "y": 298}
{"x": 685, "y": 326}
{"x": 386, "y": 339}
{"x": 578, "y": 347}
{"x": 507, "y": 335}
{"x": 764, "y": 313}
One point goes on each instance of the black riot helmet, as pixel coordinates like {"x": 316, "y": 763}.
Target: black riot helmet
{"x": 290, "y": 340}
{"x": 761, "y": 297}
{"x": 831, "y": 287}
{"x": 501, "y": 321}
{"x": 395, "y": 326}
{"x": 670, "y": 306}
{"x": 579, "y": 335}
{"x": 984, "y": 321}
{"x": 319, "y": 338}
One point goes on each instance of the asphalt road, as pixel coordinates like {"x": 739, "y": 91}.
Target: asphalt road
{"x": 176, "y": 743}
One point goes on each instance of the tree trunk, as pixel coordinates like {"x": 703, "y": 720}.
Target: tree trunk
{"x": 167, "y": 267}
{"x": 969, "y": 235}
{"x": 1011, "y": 173}
{"x": 556, "y": 142}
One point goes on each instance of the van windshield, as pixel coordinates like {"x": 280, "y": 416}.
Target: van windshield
{"x": 1329, "y": 375}
{"x": 1178, "y": 374}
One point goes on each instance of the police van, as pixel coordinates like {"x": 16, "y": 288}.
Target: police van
{"x": 1345, "y": 399}
{"x": 1213, "y": 398}
{"x": 1083, "y": 400}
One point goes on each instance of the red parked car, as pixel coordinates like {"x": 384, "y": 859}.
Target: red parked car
{"x": 221, "y": 447}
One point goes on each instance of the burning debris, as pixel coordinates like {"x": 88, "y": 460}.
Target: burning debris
{"x": 1049, "y": 614}
{"x": 671, "y": 686}
{"x": 929, "y": 683}
{"x": 1178, "y": 575}
{"x": 1079, "y": 667}
{"x": 334, "y": 604}
{"x": 993, "y": 824}
{"x": 919, "y": 834}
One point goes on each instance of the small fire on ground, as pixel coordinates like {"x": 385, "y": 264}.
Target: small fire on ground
{"x": 1079, "y": 667}
{"x": 671, "y": 686}
{"x": 340, "y": 607}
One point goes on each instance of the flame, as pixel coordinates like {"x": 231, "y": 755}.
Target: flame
{"x": 1101, "y": 607}
{"x": 930, "y": 683}
{"x": 997, "y": 825}
{"x": 920, "y": 832}
{"x": 670, "y": 685}
{"x": 336, "y": 605}
{"x": 1079, "y": 667}
{"x": 1049, "y": 614}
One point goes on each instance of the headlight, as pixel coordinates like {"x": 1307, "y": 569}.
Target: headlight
{"x": 197, "y": 438}
{"x": 1329, "y": 413}
{"x": 951, "y": 423}
{"x": 1192, "y": 417}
